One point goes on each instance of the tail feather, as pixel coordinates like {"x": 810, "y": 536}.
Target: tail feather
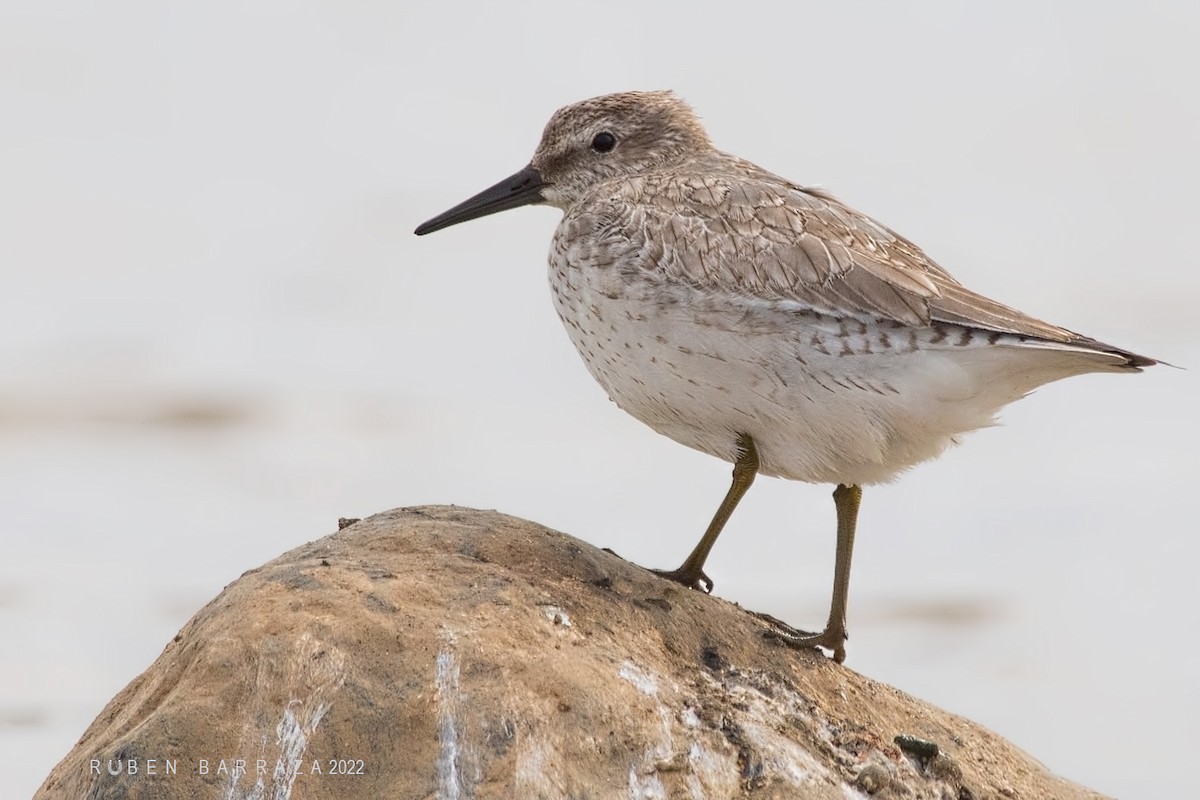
{"x": 1113, "y": 358}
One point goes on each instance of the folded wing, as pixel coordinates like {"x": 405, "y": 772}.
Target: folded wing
{"x": 766, "y": 239}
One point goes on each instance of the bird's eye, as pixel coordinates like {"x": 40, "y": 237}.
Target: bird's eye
{"x": 604, "y": 142}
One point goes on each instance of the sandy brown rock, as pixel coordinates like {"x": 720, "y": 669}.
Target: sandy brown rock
{"x": 451, "y": 653}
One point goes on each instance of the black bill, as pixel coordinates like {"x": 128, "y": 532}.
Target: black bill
{"x": 521, "y": 189}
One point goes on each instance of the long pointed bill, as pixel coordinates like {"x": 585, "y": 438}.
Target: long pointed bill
{"x": 521, "y": 189}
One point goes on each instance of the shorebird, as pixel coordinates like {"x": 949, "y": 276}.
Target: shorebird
{"x": 764, "y": 322}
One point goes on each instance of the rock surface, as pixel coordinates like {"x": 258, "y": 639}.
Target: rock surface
{"x": 442, "y": 652}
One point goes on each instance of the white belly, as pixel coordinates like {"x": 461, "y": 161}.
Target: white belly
{"x": 825, "y": 400}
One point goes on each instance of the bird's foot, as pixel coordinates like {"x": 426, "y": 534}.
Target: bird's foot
{"x": 693, "y": 579}
{"x": 833, "y": 638}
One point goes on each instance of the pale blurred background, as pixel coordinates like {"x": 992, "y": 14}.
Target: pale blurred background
{"x": 218, "y": 333}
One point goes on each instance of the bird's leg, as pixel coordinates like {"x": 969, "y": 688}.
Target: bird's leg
{"x": 691, "y": 572}
{"x": 847, "y": 499}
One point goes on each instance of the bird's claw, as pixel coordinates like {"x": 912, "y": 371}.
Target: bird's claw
{"x": 692, "y": 579}
{"x": 833, "y": 638}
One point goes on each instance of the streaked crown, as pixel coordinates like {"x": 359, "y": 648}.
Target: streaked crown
{"x": 613, "y": 136}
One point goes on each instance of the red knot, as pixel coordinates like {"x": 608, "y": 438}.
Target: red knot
{"x": 763, "y": 322}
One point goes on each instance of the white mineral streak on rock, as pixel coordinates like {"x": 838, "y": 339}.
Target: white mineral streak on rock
{"x": 292, "y": 744}
{"x": 537, "y": 770}
{"x": 760, "y": 702}
{"x": 557, "y": 615}
{"x": 319, "y": 671}
{"x": 645, "y": 786}
{"x": 689, "y": 717}
{"x": 643, "y": 681}
{"x": 448, "y": 697}
{"x": 644, "y": 783}
{"x": 314, "y": 675}
{"x": 758, "y": 716}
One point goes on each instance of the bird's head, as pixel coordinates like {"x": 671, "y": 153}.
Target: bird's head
{"x": 606, "y": 138}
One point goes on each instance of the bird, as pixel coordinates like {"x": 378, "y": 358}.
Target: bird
{"x": 765, "y": 322}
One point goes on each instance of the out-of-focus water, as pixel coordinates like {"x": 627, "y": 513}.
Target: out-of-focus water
{"x": 218, "y": 334}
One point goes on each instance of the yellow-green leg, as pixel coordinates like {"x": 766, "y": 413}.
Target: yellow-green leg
{"x": 847, "y": 500}
{"x": 691, "y": 572}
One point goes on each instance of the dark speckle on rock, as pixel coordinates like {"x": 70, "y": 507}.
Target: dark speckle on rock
{"x": 750, "y": 763}
{"x": 295, "y": 579}
{"x": 712, "y": 659}
{"x": 499, "y": 734}
{"x": 914, "y": 747}
{"x": 377, "y": 603}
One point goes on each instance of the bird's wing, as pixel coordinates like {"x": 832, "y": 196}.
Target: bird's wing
{"x": 766, "y": 239}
